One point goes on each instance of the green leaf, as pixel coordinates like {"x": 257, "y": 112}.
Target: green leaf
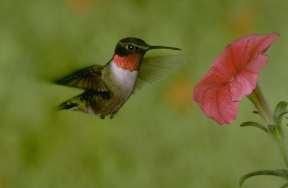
{"x": 280, "y": 111}
{"x": 254, "y": 124}
{"x": 282, "y": 173}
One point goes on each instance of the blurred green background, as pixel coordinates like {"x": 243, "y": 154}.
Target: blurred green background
{"x": 160, "y": 138}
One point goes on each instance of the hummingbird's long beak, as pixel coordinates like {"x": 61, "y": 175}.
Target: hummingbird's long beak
{"x": 162, "y": 47}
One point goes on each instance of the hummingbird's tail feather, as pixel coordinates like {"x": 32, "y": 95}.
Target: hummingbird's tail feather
{"x": 73, "y": 104}
{"x": 67, "y": 105}
{"x": 89, "y": 102}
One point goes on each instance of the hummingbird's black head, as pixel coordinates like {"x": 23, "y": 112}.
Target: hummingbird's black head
{"x": 131, "y": 45}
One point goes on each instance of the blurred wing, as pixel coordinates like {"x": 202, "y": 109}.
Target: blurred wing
{"x": 158, "y": 68}
{"x": 87, "y": 78}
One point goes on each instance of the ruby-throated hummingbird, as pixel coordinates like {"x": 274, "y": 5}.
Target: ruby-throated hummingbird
{"x": 107, "y": 87}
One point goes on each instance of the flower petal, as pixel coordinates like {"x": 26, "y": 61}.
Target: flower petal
{"x": 216, "y": 99}
{"x": 232, "y": 77}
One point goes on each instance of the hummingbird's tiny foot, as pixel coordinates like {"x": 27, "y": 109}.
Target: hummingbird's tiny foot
{"x": 255, "y": 112}
{"x": 113, "y": 114}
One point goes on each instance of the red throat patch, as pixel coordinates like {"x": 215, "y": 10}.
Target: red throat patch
{"x": 130, "y": 62}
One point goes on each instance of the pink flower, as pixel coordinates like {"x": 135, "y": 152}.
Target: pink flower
{"x": 232, "y": 77}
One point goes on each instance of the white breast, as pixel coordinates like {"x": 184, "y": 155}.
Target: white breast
{"x": 123, "y": 79}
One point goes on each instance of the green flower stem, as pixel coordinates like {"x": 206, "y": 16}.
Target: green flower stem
{"x": 261, "y": 105}
{"x": 265, "y": 112}
{"x": 280, "y": 140}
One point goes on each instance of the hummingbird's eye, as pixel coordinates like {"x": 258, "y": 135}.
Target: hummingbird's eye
{"x": 130, "y": 47}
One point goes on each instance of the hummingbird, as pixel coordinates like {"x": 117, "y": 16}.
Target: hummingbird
{"x": 107, "y": 87}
